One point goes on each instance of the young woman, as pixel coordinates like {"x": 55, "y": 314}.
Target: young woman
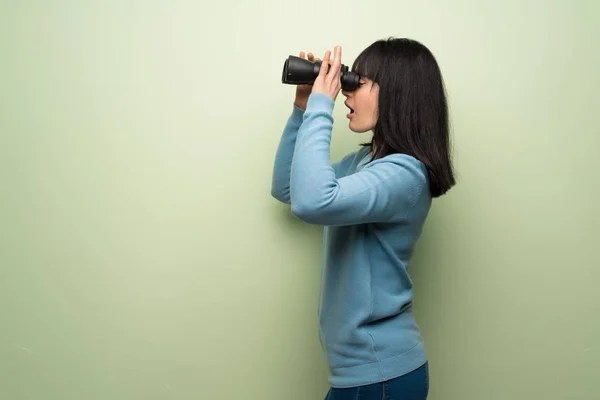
{"x": 373, "y": 204}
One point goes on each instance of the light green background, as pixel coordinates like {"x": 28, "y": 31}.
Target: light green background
{"x": 142, "y": 256}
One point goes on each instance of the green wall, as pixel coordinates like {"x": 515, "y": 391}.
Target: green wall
{"x": 142, "y": 257}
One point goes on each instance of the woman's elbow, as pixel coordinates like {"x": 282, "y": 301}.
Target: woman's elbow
{"x": 307, "y": 213}
{"x": 281, "y": 196}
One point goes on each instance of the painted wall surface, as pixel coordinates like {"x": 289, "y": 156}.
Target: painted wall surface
{"x": 142, "y": 257}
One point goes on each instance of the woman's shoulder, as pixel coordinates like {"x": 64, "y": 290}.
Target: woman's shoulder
{"x": 350, "y": 162}
{"x": 405, "y": 167}
{"x": 400, "y": 160}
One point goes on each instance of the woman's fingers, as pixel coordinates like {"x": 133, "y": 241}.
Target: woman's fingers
{"x": 337, "y": 63}
{"x": 325, "y": 64}
{"x": 309, "y": 56}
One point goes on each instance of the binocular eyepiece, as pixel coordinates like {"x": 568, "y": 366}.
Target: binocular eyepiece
{"x": 299, "y": 71}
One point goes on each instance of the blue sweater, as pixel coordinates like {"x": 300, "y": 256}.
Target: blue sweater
{"x": 373, "y": 214}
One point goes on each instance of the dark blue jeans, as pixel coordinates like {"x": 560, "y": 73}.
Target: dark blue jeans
{"x": 412, "y": 386}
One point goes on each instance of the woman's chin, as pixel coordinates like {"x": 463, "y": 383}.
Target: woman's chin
{"x": 357, "y": 128}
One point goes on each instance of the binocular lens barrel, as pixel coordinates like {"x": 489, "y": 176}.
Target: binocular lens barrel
{"x": 298, "y": 71}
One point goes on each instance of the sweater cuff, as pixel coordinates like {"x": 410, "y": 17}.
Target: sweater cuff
{"x": 319, "y": 102}
{"x": 297, "y": 115}
{"x": 297, "y": 111}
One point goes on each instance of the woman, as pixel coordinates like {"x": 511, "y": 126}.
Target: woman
{"x": 373, "y": 204}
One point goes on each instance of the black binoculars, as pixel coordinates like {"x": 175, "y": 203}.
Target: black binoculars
{"x": 299, "y": 71}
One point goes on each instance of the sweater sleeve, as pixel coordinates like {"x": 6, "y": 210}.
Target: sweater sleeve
{"x": 383, "y": 191}
{"x": 280, "y": 182}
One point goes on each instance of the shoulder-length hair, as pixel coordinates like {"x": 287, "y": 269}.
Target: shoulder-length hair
{"x": 412, "y": 106}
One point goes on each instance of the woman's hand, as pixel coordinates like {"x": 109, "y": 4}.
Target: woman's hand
{"x": 303, "y": 91}
{"x": 329, "y": 82}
